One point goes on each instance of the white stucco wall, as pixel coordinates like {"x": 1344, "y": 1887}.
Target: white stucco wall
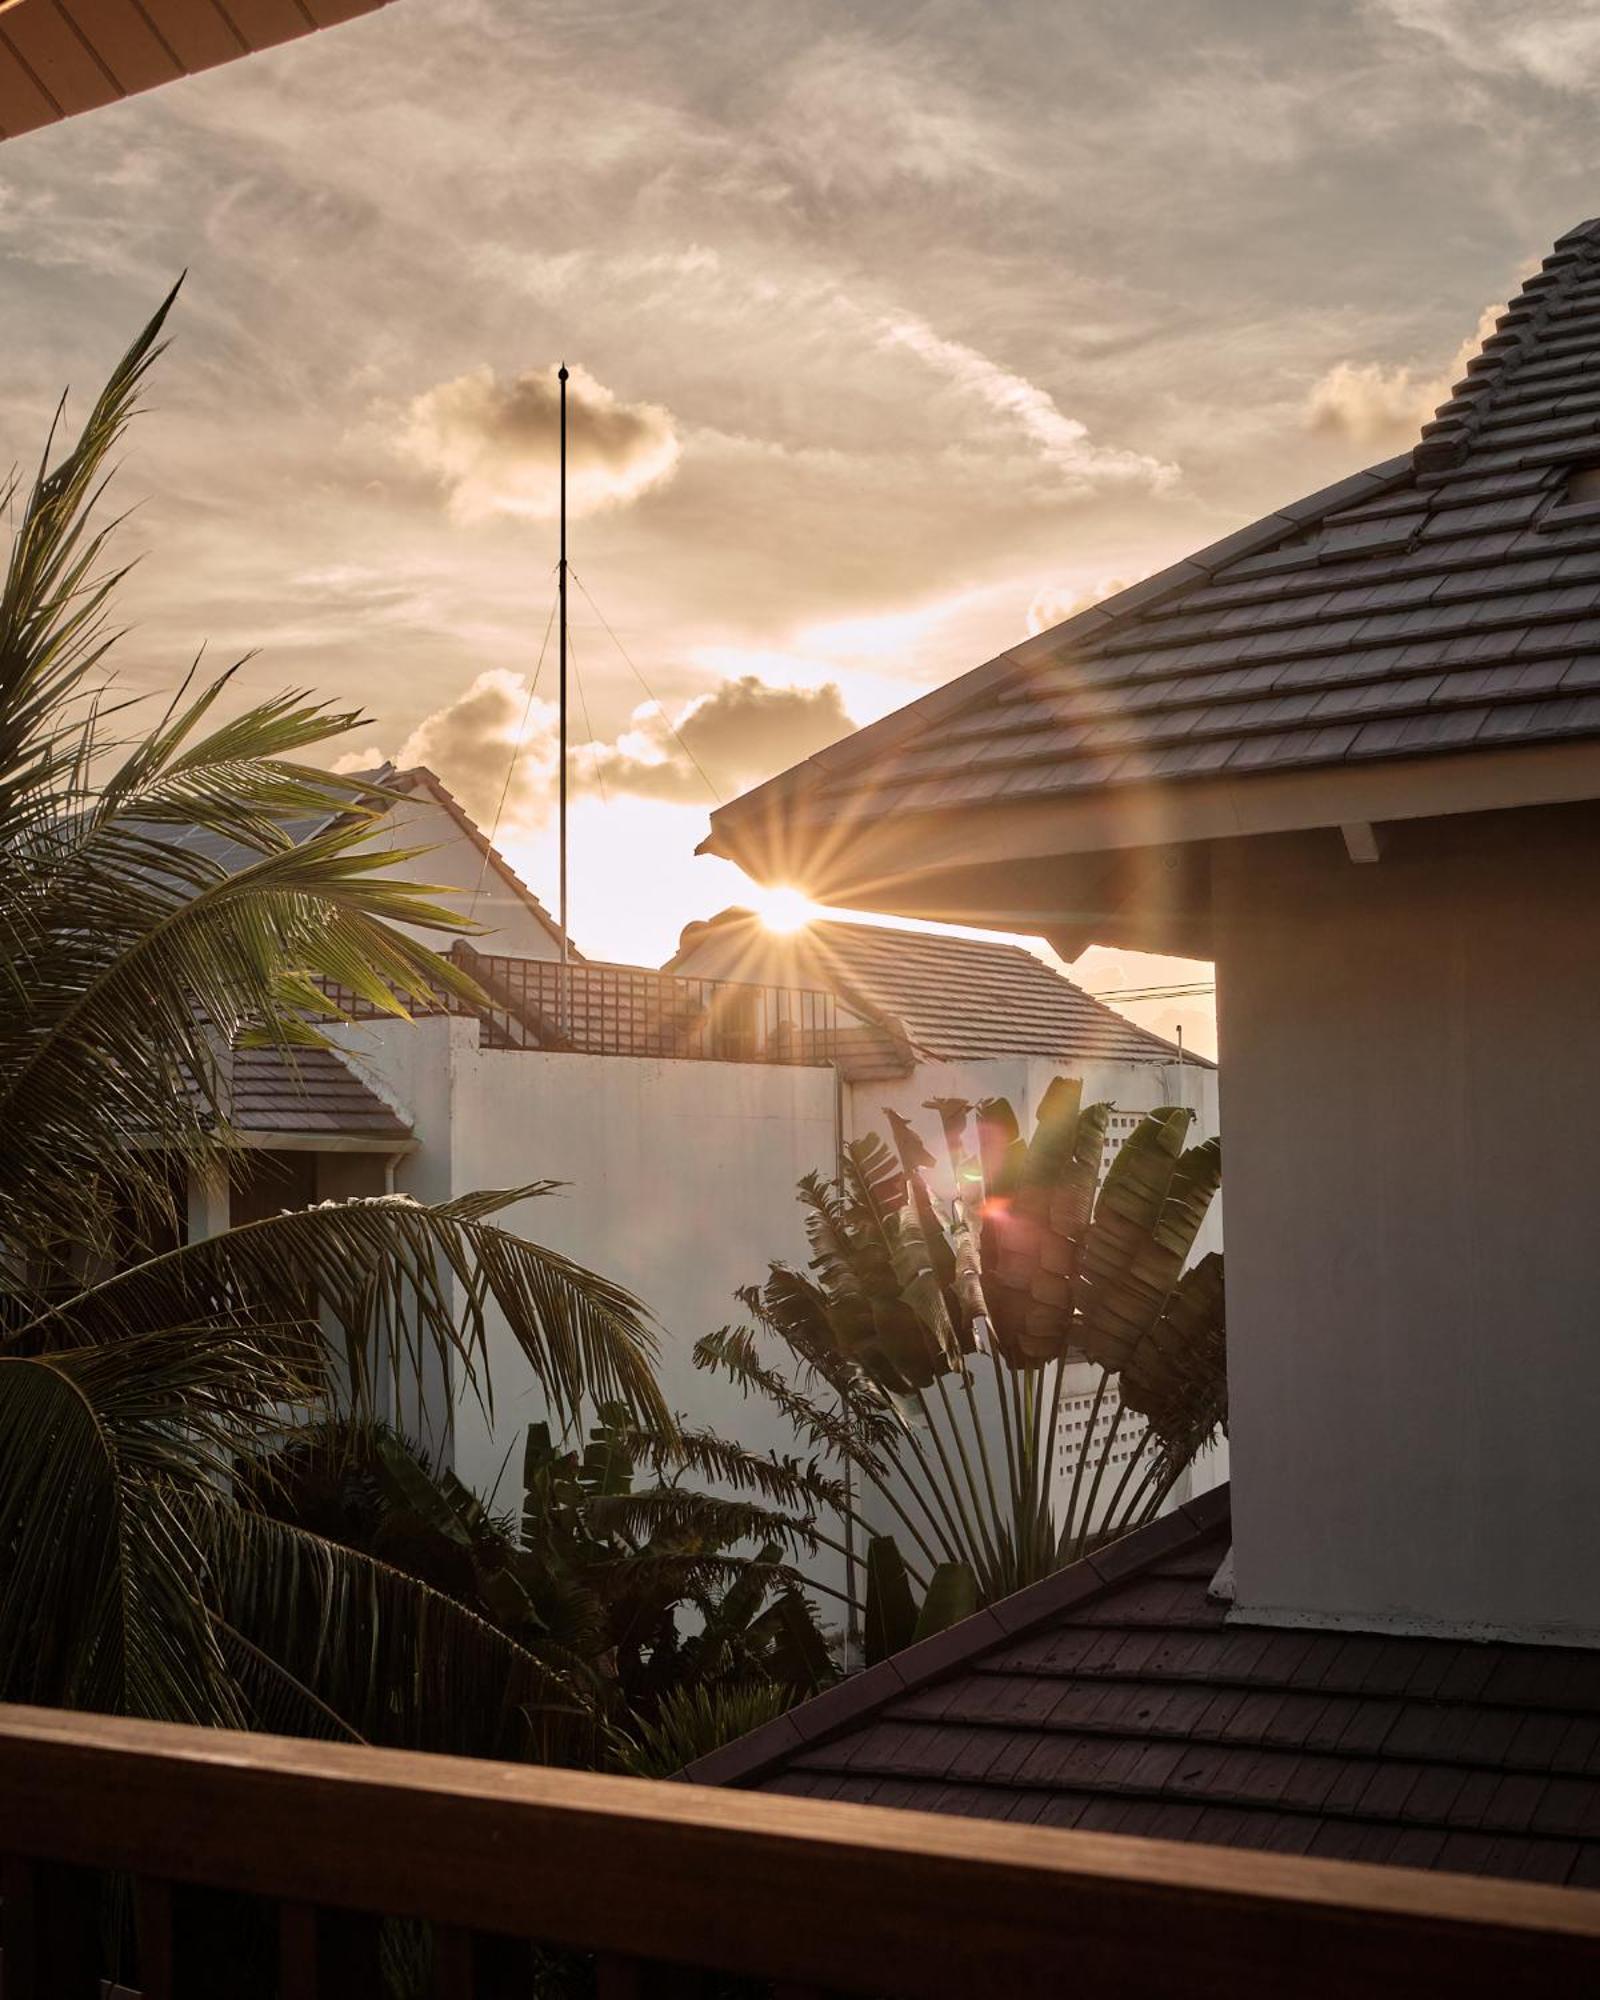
{"x": 681, "y": 1187}
{"x": 453, "y": 862}
{"x": 1410, "y": 1053}
{"x": 682, "y": 1178}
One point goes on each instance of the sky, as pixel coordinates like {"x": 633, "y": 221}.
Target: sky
{"x": 895, "y": 334}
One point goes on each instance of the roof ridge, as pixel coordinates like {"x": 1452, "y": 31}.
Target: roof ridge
{"x": 1456, "y": 424}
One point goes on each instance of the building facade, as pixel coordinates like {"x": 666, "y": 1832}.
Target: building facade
{"x": 1352, "y": 753}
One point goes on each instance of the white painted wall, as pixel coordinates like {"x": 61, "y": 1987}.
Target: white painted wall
{"x": 681, "y": 1186}
{"x": 453, "y": 862}
{"x": 1412, "y": 1050}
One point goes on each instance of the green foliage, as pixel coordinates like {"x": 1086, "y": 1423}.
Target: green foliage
{"x": 693, "y": 1721}
{"x": 621, "y": 1589}
{"x": 891, "y": 1611}
{"x": 156, "y": 911}
{"x": 952, "y": 1595}
{"x": 927, "y": 1349}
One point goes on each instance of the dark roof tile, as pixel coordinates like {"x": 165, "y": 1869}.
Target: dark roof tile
{"x": 960, "y": 998}
{"x": 1456, "y": 547}
{"x": 1120, "y": 1703}
{"x": 305, "y": 1093}
{"x": 1569, "y": 1806}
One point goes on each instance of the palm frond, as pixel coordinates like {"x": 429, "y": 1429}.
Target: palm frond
{"x": 733, "y": 1353}
{"x": 54, "y": 597}
{"x": 398, "y": 1280}
{"x": 337, "y": 1634}
{"x": 110, "y": 1463}
{"x": 785, "y": 1482}
{"x": 691, "y": 1521}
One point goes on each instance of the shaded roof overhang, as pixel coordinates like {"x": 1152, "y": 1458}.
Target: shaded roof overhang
{"x": 60, "y": 57}
{"x": 322, "y": 1142}
{"x": 1130, "y": 865}
{"x": 1418, "y": 641}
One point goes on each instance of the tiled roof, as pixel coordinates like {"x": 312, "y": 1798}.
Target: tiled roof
{"x": 1115, "y": 1697}
{"x": 1448, "y": 600}
{"x": 62, "y": 57}
{"x": 307, "y": 1091}
{"x": 952, "y": 997}
{"x": 960, "y": 997}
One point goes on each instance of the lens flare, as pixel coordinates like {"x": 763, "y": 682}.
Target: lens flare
{"x": 784, "y": 909}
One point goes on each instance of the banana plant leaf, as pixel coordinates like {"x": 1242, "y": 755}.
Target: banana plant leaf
{"x": 1176, "y": 1373}
{"x": 891, "y": 1607}
{"x": 1034, "y": 1238}
{"x": 1145, "y": 1223}
{"x": 952, "y": 1595}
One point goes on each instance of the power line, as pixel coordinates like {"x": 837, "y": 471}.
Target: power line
{"x": 650, "y": 692}
{"x": 516, "y": 752}
{"x": 583, "y": 699}
{"x": 1194, "y": 990}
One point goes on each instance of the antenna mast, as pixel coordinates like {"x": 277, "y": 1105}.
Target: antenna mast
{"x": 562, "y": 593}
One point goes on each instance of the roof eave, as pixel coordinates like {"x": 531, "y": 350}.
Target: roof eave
{"x": 845, "y": 1706}
{"x": 61, "y": 61}
{"x": 394, "y": 1145}
{"x": 1061, "y": 866}
{"x": 757, "y": 832}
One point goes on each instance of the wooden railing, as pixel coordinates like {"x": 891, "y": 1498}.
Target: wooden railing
{"x": 659, "y": 1885}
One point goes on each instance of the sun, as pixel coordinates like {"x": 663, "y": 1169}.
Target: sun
{"x": 784, "y": 909}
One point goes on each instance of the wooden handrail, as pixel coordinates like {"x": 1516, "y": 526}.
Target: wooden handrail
{"x": 808, "y": 1892}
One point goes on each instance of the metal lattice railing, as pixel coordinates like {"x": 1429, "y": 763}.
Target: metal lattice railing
{"x": 628, "y": 1010}
{"x": 625, "y": 1010}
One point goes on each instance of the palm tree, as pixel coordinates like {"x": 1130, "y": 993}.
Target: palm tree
{"x": 155, "y": 913}
{"x": 927, "y": 1352}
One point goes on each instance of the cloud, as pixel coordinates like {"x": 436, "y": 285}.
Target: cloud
{"x": 737, "y": 735}
{"x": 369, "y": 759}
{"x": 494, "y": 444}
{"x": 471, "y": 741}
{"x": 1372, "y": 404}
{"x": 1061, "y": 440}
{"x": 856, "y": 116}
{"x": 1555, "y": 42}
{"x": 1052, "y": 603}
{"x": 729, "y": 739}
